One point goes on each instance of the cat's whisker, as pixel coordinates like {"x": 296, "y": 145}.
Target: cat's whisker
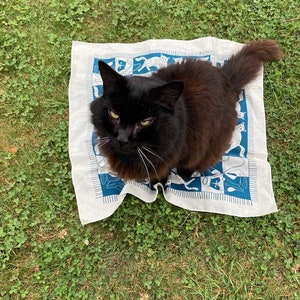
{"x": 144, "y": 163}
{"x": 102, "y": 144}
{"x": 102, "y": 141}
{"x": 153, "y": 153}
{"x": 149, "y": 161}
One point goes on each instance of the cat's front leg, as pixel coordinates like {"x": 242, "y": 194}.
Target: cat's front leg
{"x": 184, "y": 173}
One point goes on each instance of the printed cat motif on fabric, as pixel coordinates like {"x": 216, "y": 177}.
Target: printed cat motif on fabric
{"x": 150, "y": 64}
{"x": 239, "y": 141}
{"x": 225, "y": 177}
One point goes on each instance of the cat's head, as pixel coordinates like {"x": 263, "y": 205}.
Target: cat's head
{"x": 138, "y": 121}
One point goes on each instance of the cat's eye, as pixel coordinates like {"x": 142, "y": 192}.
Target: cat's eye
{"x": 113, "y": 115}
{"x": 146, "y": 122}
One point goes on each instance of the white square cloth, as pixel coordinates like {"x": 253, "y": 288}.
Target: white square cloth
{"x": 239, "y": 185}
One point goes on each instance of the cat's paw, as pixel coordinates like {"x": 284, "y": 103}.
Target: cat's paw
{"x": 184, "y": 173}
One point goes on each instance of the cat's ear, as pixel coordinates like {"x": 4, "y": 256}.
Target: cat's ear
{"x": 170, "y": 93}
{"x": 112, "y": 80}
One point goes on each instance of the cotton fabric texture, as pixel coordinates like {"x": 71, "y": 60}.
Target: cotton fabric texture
{"x": 239, "y": 185}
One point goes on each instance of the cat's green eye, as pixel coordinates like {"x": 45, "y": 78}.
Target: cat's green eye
{"x": 146, "y": 122}
{"x": 113, "y": 115}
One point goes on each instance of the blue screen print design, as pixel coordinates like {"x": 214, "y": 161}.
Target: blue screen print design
{"x": 228, "y": 177}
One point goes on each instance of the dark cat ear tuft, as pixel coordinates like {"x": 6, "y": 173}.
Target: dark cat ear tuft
{"x": 111, "y": 79}
{"x": 170, "y": 93}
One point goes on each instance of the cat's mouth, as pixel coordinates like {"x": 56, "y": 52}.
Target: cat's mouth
{"x": 126, "y": 148}
{"x": 125, "y": 158}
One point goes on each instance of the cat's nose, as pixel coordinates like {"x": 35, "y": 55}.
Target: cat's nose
{"x": 123, "y": 136}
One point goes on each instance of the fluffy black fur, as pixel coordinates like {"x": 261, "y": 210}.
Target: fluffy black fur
{"x": 183, "y": 116}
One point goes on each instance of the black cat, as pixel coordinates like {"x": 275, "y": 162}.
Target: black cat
{"x": 182, "y": 116}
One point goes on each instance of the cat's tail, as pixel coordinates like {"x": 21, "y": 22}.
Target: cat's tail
{"x": 244, "y": 66}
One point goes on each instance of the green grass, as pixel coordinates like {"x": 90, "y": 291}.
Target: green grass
{"x": 144, "y": 251}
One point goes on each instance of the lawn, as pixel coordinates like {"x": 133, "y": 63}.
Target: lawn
{"x": 144, "y": 251}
